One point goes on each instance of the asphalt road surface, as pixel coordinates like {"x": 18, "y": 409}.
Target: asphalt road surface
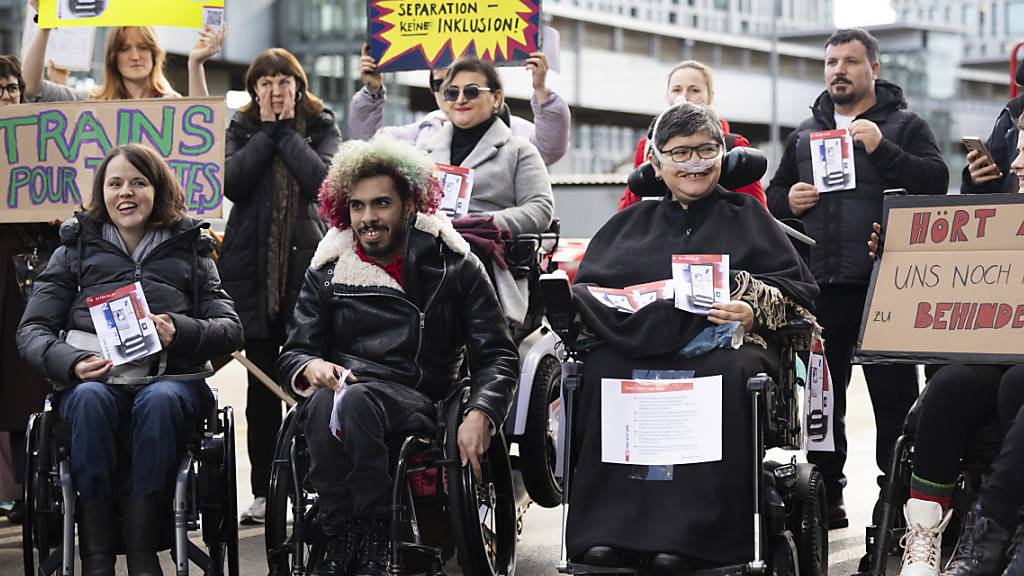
{"x": 538, "y": 550}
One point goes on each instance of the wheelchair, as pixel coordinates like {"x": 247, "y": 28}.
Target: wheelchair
{"x": 882, "y": 540}
{"x": 434, "y": 500}
{"x": 790, "y": 533}
{"x": 204, "y": 498}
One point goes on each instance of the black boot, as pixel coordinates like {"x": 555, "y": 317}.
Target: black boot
{"x": 142, "y": 525}
{"x": 374, "y": 556}
{"x": 96, "y": 537}
{"x": 982, "y": 547}
{"x": 340, "y": 553}
{"x": 1015, "y": 554}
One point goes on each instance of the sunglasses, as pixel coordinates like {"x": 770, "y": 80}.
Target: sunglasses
{"x": 470, "y": 91}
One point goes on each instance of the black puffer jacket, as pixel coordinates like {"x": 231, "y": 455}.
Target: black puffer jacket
{"x": 907, "y": 157}
{"x": 178, "y": 278}
{"x": 1002, "y": 143}
{"x": 354, "y": 314}
{"x": 250, "y": 152}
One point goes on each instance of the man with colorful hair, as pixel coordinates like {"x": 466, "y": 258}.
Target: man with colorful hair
{"x": 393, "y": 303}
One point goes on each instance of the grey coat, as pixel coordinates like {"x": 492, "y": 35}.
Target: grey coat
{"x": 510, "y": 180}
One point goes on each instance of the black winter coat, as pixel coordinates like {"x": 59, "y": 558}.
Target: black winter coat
{"x": 1002, "y": 143}
{"x": 178, "y": 278}
{"x": 248, "y": 182}
{"x": 417, "y": 334}
{"x": 907, "y": 157}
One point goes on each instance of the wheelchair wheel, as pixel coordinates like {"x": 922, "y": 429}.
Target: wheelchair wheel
{"x": 809, "y": 523}
{"x": 537, "y": 447}
{"x": 483, "y": 510}
{"x": 41, "y": 526}
{"x": 280, "y": 497}
{"x": 230, "y": 525}
{"x": 220, "y": 519}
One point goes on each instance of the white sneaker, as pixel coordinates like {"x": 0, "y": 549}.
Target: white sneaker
{"x": 256, "y": 513}
{"x": 922, "y": 544}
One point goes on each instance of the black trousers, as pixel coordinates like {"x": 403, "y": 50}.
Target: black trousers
{"x": 351, "y": 474}
{"x": 262, "y": 410}
{"x": 1003, "y": 495}
{"x": 893, "y": 387}
{"x": 959, "y": 399}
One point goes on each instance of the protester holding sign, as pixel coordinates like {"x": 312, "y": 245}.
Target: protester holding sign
{"x": 134, "y": 230}
{"x": 133, "y": 65}
{"x": 24, "y": 249}
{"x": 510, "y": 181}
{"x": 692, "y": 81}
{"x": 894, "y": 149}
{"x": 691, "y": 519}
{"x": 279, "y": 147}
{"x": 550, "y": 112}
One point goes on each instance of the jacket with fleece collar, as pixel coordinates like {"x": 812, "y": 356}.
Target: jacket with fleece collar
{"x": 907, "y": 157}
{"x": 418, "y": 334}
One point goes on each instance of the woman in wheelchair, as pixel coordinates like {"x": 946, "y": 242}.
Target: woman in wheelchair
{"x": 694, "y": 518}
{"x": 134, "y": 229}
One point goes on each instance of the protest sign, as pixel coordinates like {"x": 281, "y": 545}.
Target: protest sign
{"x": 68, "y": 48}
{"x": 422, "y": 34}
{"x": 949, "y": 286}
{"x": 50, "y": 151}
{"x": 106, "y": 13}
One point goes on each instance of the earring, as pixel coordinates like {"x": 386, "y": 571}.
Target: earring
{"x": 298, "y": 96}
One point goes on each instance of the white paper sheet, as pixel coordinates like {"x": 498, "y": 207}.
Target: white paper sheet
{"x": 339, "y": 395}
{"x": 68, "y": 48}
{"x": 661, "y": 422}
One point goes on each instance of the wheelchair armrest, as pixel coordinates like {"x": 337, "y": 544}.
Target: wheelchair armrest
{"x": 796, "y": 332}
{"x": 558, "y": 305}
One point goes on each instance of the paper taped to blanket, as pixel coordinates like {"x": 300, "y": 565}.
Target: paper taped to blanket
{"x": 700, "y": 281}
{"x": 123, "y": 327}
{"x": 632, "y": 298}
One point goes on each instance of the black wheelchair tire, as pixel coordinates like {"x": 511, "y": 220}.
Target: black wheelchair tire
{"x": 279, "y": 498}
{"x": 230, "y": 533}
{"x": 480, "y": 556}
{"x": 28, "y": 526}
{"x": 537, "y": 445}
{"x": 809, "y": 524}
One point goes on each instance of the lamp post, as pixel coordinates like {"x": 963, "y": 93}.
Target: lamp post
{"x": 773, "y": 131}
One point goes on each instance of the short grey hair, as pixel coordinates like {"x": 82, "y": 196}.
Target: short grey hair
{"x": 686, "y": 119}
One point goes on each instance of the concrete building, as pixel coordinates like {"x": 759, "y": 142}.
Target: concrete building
{"x": 990, "y": 27}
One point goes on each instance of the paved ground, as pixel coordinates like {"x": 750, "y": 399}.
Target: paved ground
{"x": 539, "y": 548}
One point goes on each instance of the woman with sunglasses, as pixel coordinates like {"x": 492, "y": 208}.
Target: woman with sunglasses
{"x": 550, "y": 112}
{"x": 133, "y": 66}
{"x": 279, "y": 146}
{"x": 510, "y": 181}
{"x": 692, "y": 81}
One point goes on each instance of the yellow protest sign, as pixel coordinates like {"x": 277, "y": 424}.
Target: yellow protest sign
{"x": 99, "y": 13}
{"x": 49, "y": 152}
{"x": 418, "y": 34}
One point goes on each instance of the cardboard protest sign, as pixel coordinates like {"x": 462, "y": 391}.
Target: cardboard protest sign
{"x": 101, "y": 13}
{"x": 422, "y": 34}
{"x": 949, "y": 286}
{"x": 50, "y": 151}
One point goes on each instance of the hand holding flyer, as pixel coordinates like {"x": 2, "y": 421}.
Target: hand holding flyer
{"x": 123, "y": 327}
{"x": 456, "y": 189}
{"x": 700, "y": 281}
{"x": 832, "y": 160}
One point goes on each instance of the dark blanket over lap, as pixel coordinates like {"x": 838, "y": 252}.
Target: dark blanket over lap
{"x": 706, "y": 510}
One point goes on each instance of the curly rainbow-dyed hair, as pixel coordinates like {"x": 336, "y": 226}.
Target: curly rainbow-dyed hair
{"x": 410, "y": 169}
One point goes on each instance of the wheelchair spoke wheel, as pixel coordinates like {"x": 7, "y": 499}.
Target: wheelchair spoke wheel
{"x": 280, "y": 498}
{"x": 537, "y": 447}
{"x": 230, "y": 533}
{"x": 41, "y": 525}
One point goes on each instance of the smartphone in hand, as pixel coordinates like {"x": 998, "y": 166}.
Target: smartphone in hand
{"x": 975, "y": 143}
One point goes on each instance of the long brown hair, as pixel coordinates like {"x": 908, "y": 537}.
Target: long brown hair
{"x": 280, "y": 62}
{"x": 113, "y": 87}
{"x": 168, "y": 199}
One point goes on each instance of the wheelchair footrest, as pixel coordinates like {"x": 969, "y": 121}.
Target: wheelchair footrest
{"x": 574, "y": 568}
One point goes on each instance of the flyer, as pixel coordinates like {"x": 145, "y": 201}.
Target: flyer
{"x": 661, "y": 422}
{"x": 123, "y": 327}
{"x": 633, "y": 298}
{"x": 700, "y": 281}
{"x": 456, "y": 189}
{"x": 832, "y": 160}
{"x": 818, "y": 404}
{"x": 339, "y": 397}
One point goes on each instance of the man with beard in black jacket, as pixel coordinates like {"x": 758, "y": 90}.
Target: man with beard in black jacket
{"x": 893, "y": 148}
{"x": 393, "y": 303}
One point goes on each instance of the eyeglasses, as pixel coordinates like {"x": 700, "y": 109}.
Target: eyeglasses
{"x": 435, "y": 84}
{"x": 13, "y": 89}
{"x": 470, "y": 91}
{"x": 684, "y": 153}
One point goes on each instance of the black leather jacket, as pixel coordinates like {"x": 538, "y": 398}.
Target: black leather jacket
{"x": 354, "y": 314}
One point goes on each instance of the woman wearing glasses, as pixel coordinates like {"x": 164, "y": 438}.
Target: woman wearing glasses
{"x": 278, "y": 149}
{"x": 692, "y": 81}
{"x": 510, "y": 181}
{"x": 690, "y": 516}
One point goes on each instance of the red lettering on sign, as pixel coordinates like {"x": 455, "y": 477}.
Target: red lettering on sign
{"x": 960, "y": 219}
{"x": 924, "y": 317}
{"x": 919, "y": 227}
{"x": 983, "y": 214}
{"x": 940, "y": 315}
